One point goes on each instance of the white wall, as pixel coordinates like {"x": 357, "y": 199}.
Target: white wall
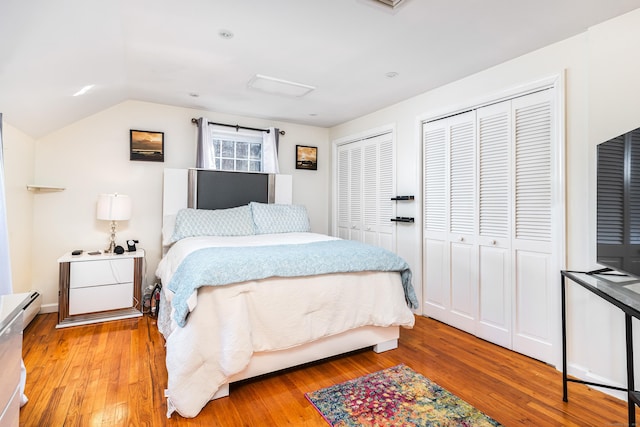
{"x": 91, "y": 156}
{"x": 602, "y": 93}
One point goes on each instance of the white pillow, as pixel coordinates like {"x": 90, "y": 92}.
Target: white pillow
{"x": 219, "y": 222}
{"x": 277, "y": 218}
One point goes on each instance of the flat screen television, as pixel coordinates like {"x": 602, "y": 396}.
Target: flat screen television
{"x": 618, "y": 203}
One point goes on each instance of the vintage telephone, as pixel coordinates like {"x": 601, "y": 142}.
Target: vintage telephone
{"x": 131, "y": 245}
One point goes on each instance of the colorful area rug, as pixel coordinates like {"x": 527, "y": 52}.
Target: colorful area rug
{"x": 395, "y": 396}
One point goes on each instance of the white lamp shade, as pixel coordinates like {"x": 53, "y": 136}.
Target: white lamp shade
{"x": 113, "y": 207}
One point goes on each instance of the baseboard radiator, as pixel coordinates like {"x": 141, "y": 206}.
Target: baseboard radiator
{"x": 31, "y": 308}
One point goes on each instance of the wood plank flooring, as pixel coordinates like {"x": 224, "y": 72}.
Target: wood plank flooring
{"x": 113, "y": 374}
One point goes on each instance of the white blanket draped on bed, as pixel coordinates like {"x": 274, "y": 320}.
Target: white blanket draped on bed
{"x": 229, "y": 323}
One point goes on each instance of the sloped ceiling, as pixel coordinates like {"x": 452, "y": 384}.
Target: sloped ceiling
{"x": 171, "y": 52}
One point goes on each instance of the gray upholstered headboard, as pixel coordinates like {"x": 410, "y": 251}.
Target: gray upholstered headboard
{"x": 213, "y": 189}
{"x": 210, "y": 189}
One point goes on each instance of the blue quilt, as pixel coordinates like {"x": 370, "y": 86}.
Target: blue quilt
{"x": 221, "y": 266}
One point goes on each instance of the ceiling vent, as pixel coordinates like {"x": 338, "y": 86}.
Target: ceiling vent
{"x": 279, "y": 86}
{"x": 391, "y": 3}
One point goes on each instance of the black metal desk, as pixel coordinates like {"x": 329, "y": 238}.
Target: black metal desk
{"x": 624, "y": 293}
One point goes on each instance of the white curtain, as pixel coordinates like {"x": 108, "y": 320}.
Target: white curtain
{"x": 270, "y": 150}
{"x": 5, "y": 261}
{"x": 205, "y": 154}
{"x": 5, "y": 264}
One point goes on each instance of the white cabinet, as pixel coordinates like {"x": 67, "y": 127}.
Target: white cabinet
{"x": 100, "y": 287}
{"x": 365, "y": 187}
{"x": 11, "y": 318}
{"x": 489, "y": 260}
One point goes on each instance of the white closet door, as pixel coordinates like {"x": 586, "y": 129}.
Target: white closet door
{"x": 378, "y": 189}
{"x": 535, "y": 274}
{"x": 463, "y": 247}
{"x": 449, "y": 249}
{"x": 344, "y": 225}
{"x": 355, "y": 193}
{"x": 435, "y": 265}
{"x": 489, "y": 260}
{"x": 494, "y": 190}
{"x": 366, "y": 184}
{"x": 369, "y": 194}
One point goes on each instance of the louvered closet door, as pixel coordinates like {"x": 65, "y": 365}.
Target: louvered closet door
{"x": 355, "y": 193}
{"x": 449, "y": 247}
{"x": 489, "y": 264}
{"x": 366, "y": 184}
{"x": 435, "y": 280}
{"x": 494, "y": 194}
{"x": 344, "y": 194}
{"x": 462, "y": 222}
{"x": 535, "y": 275}
{"x": 349, "y": 188}
{"x": 377, "y": 189}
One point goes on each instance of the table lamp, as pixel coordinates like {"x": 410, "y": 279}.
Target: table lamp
{"x": 113, "y": 207}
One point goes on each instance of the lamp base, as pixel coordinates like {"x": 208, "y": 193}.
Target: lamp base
{"x": 112, "y": 239}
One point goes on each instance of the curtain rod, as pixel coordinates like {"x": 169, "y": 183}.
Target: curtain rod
{"x": 237, "y": 127}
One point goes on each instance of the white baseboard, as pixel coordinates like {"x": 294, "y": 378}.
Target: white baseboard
{"x": 581, "y": 373}
{"x": 49, "y": 308}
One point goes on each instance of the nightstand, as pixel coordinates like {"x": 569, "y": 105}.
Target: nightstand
{"x": 97, "y": 288}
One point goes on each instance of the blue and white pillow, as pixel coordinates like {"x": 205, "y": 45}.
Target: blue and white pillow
{"x": 277, "y": 218}
{"x": 219, "y": 222}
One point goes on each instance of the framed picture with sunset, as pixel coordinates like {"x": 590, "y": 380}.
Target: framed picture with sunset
{"x": 306, "y": 157}
{"x": 146, "y": 145}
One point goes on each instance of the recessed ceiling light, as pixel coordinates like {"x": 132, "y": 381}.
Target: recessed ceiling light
{"x": 279, "y": 86}
{"x": 225, "y": 34}
{"x": 391, "y": 74}
{"x": 83, "y": 90}
{"x": 194, "y": 95}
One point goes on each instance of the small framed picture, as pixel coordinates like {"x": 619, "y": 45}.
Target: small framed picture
{"x": 306, "y": 157}
{"x": 146, "y": 145}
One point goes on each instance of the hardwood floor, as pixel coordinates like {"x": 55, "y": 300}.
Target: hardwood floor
{"x": 113, "y": 374}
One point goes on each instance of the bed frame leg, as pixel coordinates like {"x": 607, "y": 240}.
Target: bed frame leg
{"x": 223, "y": 391}
{"x": 385, "y": 346}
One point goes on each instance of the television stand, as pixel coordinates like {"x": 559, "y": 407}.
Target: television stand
{"x": 627, "y": 300}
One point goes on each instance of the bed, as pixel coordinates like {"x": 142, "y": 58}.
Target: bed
{"x": 249, "y": 290}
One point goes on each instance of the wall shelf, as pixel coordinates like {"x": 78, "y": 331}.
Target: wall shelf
{"x": 43, "y": 188}
{"x": 403, "y": 219}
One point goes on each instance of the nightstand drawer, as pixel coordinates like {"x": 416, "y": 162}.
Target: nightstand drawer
{"x": 101, "y": 272}
{"x": 100, "y": 298}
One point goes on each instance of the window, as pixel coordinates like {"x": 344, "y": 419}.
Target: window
{"x": 236, "y": 151}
